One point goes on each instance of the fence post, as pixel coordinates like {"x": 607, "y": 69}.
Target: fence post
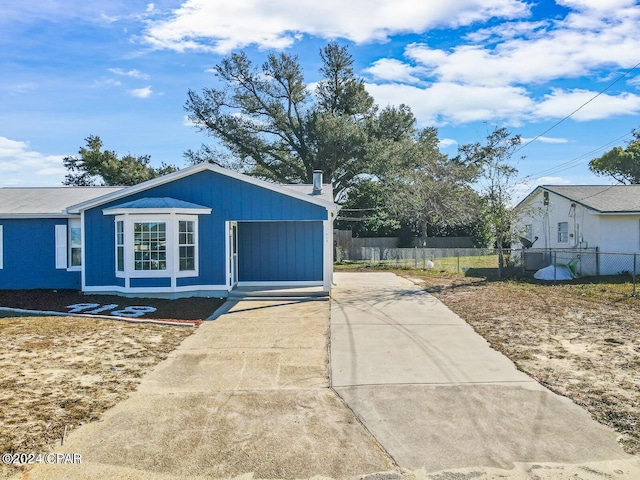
{"x": 635, "y": 258}
{"x": 415, "y": 257}
{"x": 597, "y": 261}
{"x": 458, "y": 254}
{"x": 554, "y": 256}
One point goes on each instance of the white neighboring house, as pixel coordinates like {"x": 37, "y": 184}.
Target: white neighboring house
{"x": 585, "y": 217}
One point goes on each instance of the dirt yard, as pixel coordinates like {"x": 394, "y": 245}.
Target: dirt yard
{"x": 579, "y": 340}
{"x": 62, "y": 372}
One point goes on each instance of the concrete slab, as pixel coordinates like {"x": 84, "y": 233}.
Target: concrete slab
{"x": 443, "y": 427}
{"x": 278, "y": 309}
{"x": 293, "y": 434}
{"x": 247, "y": 394}
{"x": 239, "y": 369}
{"x": 420, "y": 354}
{"x": 442, "y": 402}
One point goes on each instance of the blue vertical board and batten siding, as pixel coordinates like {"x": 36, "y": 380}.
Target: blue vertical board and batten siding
{"x": 279, "y": 251}
{"x": 230, "y": 200}
{"x": 30, "y": 256}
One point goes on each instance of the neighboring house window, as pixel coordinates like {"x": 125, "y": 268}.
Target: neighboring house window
{"x": 120, "y": 246}
{"x": 563, "y": 232}
{"x": 75, "y": 243}
{"x": 528, "y": 232}
{"x": 187, "y": 245}
{"x": 150, "y": 246}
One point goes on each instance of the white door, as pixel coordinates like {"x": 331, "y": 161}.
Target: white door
{"x": 233, "y": 254}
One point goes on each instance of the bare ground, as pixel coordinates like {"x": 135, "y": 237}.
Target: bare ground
{"x": 581, "y": 340}
{"x": 62, "y": 372}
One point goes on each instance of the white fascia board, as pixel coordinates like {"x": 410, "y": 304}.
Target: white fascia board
{"x": 190, "y": 171}
{"x": 156, "y": 211}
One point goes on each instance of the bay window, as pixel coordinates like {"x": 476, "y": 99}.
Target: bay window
{"x": 156, "y": 246}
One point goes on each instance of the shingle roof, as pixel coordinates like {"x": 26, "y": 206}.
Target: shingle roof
{"x": 47, "y": 201}
{"x": 602, "y": 198}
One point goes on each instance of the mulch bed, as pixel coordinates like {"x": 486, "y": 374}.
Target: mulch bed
{"x": 194, "y": 308}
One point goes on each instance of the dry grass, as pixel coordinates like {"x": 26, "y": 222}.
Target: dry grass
{"x": 581, "y": 340}
{"x": 62, "y": 372}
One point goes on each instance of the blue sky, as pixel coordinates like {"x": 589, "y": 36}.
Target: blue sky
{"x": 120, "y": 69}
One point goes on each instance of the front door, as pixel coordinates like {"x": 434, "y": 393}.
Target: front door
{"x": 233, "y": 254}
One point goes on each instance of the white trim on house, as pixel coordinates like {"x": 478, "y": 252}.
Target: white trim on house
{"x": 193, "y": 170}
{"x": 159, "y": 211}
{"x": 84, "y": 249}
{"x": 327, "y": 253}
{"x": 1, "y": 248}
{"x": 61, "y": 246}
{"x": 183, "y": 289}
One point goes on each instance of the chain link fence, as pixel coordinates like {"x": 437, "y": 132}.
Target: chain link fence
{"x": 451, "y": 260}
{"x": 620, "y": 269}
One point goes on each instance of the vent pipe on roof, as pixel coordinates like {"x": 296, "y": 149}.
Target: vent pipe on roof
{"x": 317, "y": 182}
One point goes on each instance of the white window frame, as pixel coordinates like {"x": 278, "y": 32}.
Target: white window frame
{"x": 563, "y": 238}
{"x": 173, "y": 248}
{"x": 193, "y": 244}
{"x": 120, "y": 245}
{"x": 74, "y": 223}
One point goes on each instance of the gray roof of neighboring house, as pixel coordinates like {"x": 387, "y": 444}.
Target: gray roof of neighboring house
{"x": 47, "y": 201}
{"x": 601, "y": 198}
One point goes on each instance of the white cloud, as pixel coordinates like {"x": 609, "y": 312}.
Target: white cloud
{"x": 447, "y": 142}
{"x": 444, "y": 102}
{"x": 21, "y": 166}
{"x": 544, "y": 140}
{"x": 144, "y": 92}
{"x": 107, "y": 82}
{"x": 596, "y": 35}
{"x": 497, "y": 74}
{"x": 131, "y": 73}
{"x": 392, "y": 70}
{"x": 221, "y": 26}
{"x": 560, "y": 103}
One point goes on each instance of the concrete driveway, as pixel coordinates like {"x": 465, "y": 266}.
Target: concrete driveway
{"x": 246, "y": 394}
{"x": 438, "y": 397}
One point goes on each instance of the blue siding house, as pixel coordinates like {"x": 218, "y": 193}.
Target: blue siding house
{"x": 201, "y": 231}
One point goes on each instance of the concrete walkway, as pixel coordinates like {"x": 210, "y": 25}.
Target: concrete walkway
{"x": 246, "y": 394}
{"x": 438, "y": 397}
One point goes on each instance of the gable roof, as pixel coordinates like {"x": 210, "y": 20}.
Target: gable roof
{"x": 600, "y": 198}
{"x": 289, "y": 190}
{"x": 48, "y": 202}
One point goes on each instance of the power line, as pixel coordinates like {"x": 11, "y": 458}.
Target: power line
{"x": 579, "y": 108}
{"x": 577, "y": 160}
